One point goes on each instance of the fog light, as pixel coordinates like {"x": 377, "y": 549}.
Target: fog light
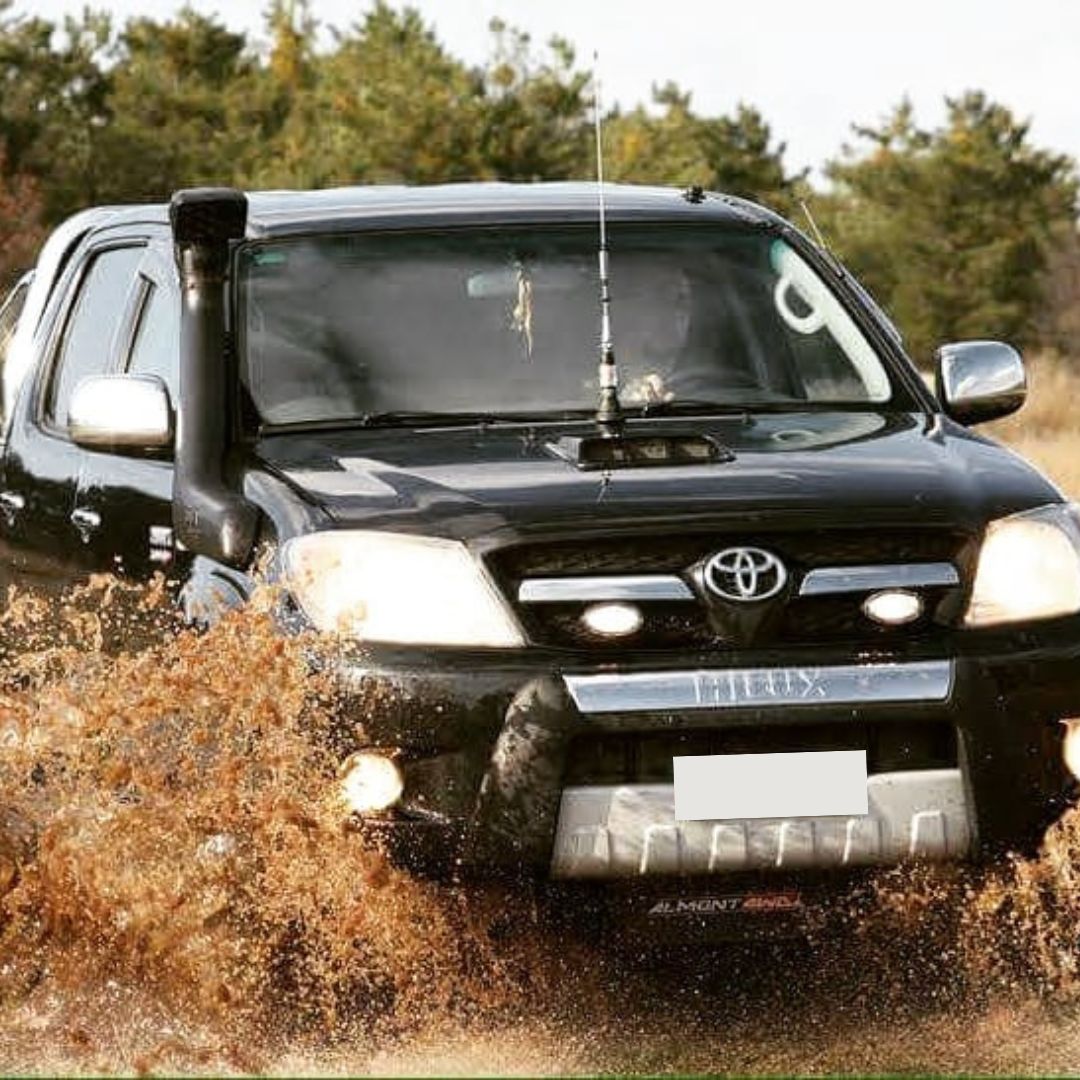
{"x": 1070, "y": 747}
{"x": 370, "y": 782}
{"x": 613, "y": 620}
{"x": 894, "y": 607}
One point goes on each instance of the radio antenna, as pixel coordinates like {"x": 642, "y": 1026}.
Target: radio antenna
{"x": 818, "y": 236}
{"x": 609, "y": 412}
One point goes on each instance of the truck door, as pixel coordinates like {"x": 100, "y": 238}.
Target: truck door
{"x": 42, "y": 546}
{"x": 124, "y": 501}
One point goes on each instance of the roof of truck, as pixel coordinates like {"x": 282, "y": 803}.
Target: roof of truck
{"x": 284, "y": 213}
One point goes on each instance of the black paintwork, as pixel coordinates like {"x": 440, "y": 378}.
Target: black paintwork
{"x": 505, "y": 717}
{"x": 824, "y": 467}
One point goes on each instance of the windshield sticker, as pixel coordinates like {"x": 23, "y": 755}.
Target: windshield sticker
{"x": 521, "y": 318}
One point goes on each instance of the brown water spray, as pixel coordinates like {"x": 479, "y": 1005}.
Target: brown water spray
{"x": 180, "y": 893}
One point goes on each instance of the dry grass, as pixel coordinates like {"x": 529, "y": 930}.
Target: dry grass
{"x": 1047, "y": 430}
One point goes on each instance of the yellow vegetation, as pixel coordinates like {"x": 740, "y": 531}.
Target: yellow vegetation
{"x": 1047, "y": 429}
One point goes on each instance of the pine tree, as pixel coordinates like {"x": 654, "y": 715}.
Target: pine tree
{"x": 953, "y": 228}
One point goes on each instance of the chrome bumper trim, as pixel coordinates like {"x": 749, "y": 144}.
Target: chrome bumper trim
{"x": 630, "y": 831}
{"x": 736, "y": 688}
{"x": 568, "y": 590}
{"x": 852, "y": 579}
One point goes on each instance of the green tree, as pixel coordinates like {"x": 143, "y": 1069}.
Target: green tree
{"x": 387, "y": 104}
{"x": 535, "y": 120}
{"x": 953, "y": 228}
{"x": 21, "y": 229}
{"x": 291, "y": 119}
{"x": 292, "y": 53}
{"x": 743, "y": 159}
{"x": 664, "y": 148}
{"x": 734, "y": 154}
{"x": 54, "y": 105}
{"x": 183, "y": 107}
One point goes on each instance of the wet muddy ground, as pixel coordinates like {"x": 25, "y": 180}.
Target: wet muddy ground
{"x": 179, "y": 894}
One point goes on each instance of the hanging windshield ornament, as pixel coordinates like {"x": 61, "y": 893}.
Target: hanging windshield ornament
{"x": 521, "y": 318}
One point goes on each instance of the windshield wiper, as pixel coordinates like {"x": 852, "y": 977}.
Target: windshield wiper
{"x": 421, "y": 418}
{"x": 689, "y": 407}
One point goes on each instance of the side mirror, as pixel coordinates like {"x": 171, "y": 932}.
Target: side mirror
{"x": 129, "y": 413}
{"x": 978, "y": 381}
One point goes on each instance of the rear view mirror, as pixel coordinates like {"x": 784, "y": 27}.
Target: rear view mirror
{"x": 121, "y": 412}
{"x": 978, "y": 381}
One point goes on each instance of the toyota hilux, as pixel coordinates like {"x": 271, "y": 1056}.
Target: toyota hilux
{"x": 707, "y": 635}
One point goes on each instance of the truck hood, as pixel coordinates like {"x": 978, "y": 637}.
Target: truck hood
{"x": 836, "y": 467}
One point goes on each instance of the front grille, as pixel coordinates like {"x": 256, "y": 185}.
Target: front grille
{"x": 603, "y": 758}
{"x": 667, "y": 626}
{"x": 680, "y": 626}
{"x": 674, "y": 552}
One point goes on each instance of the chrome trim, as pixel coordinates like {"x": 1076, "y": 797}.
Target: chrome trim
{"x": 849, "y": 579}
{"x": 630, "y": 831}
{"x": 568, "y": 590}
{"x": 744, "y": 575}
{"x": 979, "y": 380}
{"x": 121, "y": 411}
{"x": 11, "y": 504}
{"x": 86, "y": 522}
{"x": 737, "y": 688}
{"x": 161, "y": 544}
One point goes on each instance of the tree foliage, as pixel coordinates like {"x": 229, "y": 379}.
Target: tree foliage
{"x": 734, "y": 154}
{"x": 535, "y": 110}
{"x": 176, "y": 102}
{"x": 21, "y": 229}
{"x": 54, "y": 92}
{"x": 962, "y": 230}
{"x": 954, "y": 227}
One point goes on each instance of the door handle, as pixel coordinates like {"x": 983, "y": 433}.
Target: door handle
{"x": 86, "y": 522}
{"x": 10, "y": 504}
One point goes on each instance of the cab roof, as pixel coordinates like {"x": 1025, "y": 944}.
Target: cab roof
{"x": 290, "y": 213}
{"x": 282, "y": 213}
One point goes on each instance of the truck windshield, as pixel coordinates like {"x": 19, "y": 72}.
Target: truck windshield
{"x": 506, "y": 321}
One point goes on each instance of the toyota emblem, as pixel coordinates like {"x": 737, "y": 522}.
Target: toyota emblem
{"x": 745, "y": 574}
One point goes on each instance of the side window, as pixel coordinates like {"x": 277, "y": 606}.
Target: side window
{"x": 156, "y": 349}
{"x": 89, "y": 341}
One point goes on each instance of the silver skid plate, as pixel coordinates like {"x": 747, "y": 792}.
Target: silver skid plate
{"x": 630, "y": 830}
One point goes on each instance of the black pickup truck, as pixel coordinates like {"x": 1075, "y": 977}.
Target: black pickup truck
{"x": 782, "y": 618}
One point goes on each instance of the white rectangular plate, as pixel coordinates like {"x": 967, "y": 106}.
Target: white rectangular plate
{"x": 828, "y": 783}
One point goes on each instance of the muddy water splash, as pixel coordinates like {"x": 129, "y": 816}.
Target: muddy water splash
{"x": 172, "y": 845}
{"x": 179, "y": 894}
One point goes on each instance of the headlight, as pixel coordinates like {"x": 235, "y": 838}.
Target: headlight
{"x": 392, "y": 587}
{"x": 370, "y": 782}
{"x": 1029, "y": 568}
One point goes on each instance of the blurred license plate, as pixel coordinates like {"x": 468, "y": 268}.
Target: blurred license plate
{"x": 811, "y": 784}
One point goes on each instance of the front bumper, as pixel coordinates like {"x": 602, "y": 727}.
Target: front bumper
{"x": 487, "y": 749}
{"x": 631, "y": 830}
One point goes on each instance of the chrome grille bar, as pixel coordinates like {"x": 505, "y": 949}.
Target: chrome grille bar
{"x": 853, "y": 579}
{"x": 738, "y": 688}
{"x": 636, "y": 587}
